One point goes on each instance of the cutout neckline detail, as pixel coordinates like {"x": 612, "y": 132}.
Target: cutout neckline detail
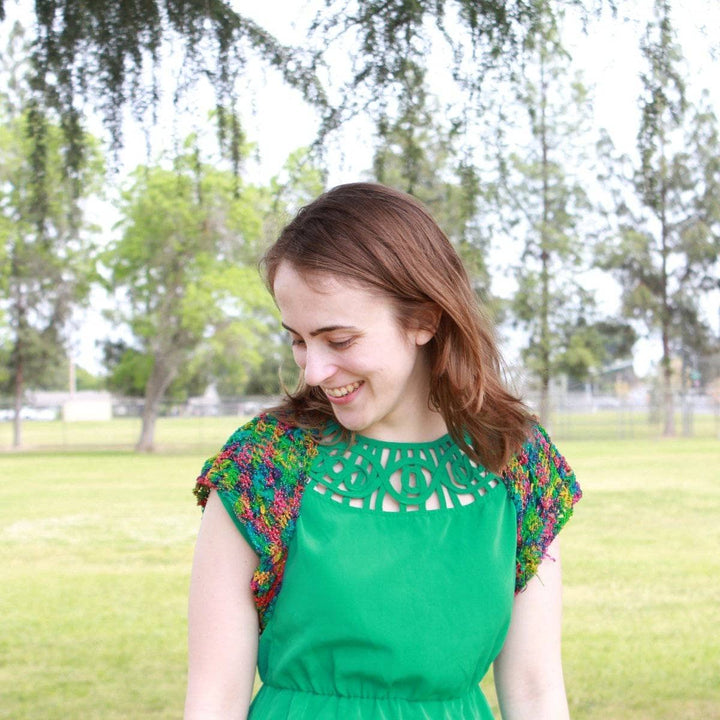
{"x": 398, "y": 476}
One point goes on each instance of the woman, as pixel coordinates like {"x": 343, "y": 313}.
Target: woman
{"x": 378, "y": 540}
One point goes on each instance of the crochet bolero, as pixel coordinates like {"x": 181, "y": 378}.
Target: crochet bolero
{"x": 262, "y": 470}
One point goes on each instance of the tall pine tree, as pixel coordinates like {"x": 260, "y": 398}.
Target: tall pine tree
{"x": 667, "y": 243}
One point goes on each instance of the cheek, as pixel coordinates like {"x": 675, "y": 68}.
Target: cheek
{"x": 299, "y": 356}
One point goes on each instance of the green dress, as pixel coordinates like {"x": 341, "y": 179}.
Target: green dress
{"x": 398, "y": 578}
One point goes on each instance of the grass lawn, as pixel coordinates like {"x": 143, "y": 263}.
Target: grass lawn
{"x": 97, "y": 546}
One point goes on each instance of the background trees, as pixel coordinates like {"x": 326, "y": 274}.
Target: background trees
{"x": 184, "y": 273}
{"x": 418, "y": 154}
{"x": 182, "y": 270}
{"x": 47, "y": 250}
{"x": 108, "y": 58}
{"x": 434, "y": 89}
{"x": 543, "y": 200}
{"x": 667, "y": 245}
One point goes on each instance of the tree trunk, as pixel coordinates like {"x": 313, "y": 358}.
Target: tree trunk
{"x": 686, "y": 405}
{"x": 160, "y": 378}
{"x": 545, "y": 368}
{"x": 668, "y": 404}
{"x": 146, "y": 442}
{"x": 544, "y": 403}
{"x": 668, "y": 401}
{"x": 19, "y": 382}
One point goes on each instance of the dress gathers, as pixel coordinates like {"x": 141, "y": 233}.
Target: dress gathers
{"x": 386, "y": 571}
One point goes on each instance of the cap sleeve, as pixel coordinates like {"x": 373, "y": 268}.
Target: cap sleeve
{"x": 260, "y": 474}
{"x": 543, "y": 488}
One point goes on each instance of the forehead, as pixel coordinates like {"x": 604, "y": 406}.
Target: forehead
{"x": 312, "y": 298}
{"x": 289, "y": 283}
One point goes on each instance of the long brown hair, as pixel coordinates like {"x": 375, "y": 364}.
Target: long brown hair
{"x": 387, "y": 241}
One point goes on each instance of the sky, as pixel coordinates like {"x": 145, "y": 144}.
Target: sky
{"x": 279, "y": 121}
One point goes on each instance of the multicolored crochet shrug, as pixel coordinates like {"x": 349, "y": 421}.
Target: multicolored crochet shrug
{"x": 263, "y": 469}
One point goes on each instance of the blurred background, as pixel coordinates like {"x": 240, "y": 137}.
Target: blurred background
{"x": 150, "y": 151}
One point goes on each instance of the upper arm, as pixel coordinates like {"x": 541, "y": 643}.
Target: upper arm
{"x": 222, "y": 619}
{"x": 528, "y": 670}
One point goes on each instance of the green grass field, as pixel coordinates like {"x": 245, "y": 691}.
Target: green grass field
{"x": 97, "y": 545}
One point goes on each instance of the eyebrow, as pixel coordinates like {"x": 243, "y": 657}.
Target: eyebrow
{"x": 320, "y": 331}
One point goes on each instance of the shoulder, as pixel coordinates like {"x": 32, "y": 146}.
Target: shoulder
{"x": 257, "y": 453}
{"x": 544, "y": 491}
{"x": 538, "y": 467}
{"x": 260, "y": 475}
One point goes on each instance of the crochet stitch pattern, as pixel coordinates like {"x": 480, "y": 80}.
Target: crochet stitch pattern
{"x": 544, "y": 490}
{"x": 263, "y": 468}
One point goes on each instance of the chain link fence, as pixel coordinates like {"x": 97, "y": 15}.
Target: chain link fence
{"x": 56, "y": 421}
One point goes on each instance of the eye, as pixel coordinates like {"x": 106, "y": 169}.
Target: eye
{"x": 340, "y": 344}
{"x": 295, "y": 340}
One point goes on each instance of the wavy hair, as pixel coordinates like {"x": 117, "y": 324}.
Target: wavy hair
{"x": 387, "y": 241}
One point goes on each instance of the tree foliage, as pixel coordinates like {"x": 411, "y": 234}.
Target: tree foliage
{"x": 543, "y": 199}
{"x": 108, "y": 55}
{"x": 389, "y": 37}
{"x": 184, "y": 270}
{"x": 46, "y": 249}
{"x": 419, "y": 156}
{"x": 666, "y": 247}
{"x": 589, "y": 347}
{"x": 181, "y": 266}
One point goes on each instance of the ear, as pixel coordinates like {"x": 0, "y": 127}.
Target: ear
{"x": 423, "y": 337}
{"x": 427, "y": 326}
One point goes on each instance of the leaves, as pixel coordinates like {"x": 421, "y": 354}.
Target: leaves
{"x": 184, "y": 270}
{"x": 47, "y": 250}
{"x": 543, "y": 203}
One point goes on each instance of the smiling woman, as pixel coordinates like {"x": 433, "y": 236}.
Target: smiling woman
{"x": 384, "y": 243}
{"x": 425, "y": 549}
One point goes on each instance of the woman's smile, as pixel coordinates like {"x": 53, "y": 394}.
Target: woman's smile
{"x": 344, "y": 393}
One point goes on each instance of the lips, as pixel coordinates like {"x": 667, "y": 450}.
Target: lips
{"x": 343, "y": 391}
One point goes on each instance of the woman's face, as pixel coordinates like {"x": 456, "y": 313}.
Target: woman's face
{"x": 348, "y": 342}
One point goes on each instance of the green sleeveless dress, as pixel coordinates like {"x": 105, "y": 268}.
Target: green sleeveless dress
{"x": 398, "y": 577}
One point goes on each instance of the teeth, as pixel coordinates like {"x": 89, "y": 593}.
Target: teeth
{"x": 342, "y": 391}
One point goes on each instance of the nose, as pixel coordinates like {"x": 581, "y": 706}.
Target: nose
{"x": 317, "y": 367}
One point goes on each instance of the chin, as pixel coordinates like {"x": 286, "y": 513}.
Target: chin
{"x": 350, "y": 423}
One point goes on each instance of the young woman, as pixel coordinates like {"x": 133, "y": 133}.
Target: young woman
{"x": 373, "y": 544}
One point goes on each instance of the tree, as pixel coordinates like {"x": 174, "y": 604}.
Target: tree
{"x": 417, "y": 155}
{"x": 277, "y": 372}
{"x": 666, "y": 246}
{"x": 184, "y": 271}
{"x": 46, "y": 248}
{"x": 129, "y": 370}
{"x": 235, "y": 350}
{"x": 542, "y": 198}
{"x": 588, "y": 347}
{"x": 387, "y": 36}
{"x": 108, "y": 56}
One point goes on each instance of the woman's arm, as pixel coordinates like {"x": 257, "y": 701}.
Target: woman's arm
{"x": 222, "y": 620}
{"x": 528, "y": 670}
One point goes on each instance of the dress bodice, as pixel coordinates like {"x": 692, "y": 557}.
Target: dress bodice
{"x": 397, "y": 590}
{"x": 386, "y": 571}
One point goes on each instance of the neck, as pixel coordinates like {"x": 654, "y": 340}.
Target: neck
{"x": 420, "y": 427}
